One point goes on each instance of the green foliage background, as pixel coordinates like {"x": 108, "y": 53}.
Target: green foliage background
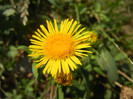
{"x": 112, "y": 20}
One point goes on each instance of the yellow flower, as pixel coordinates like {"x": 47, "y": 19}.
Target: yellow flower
{"x": 59, "y": 49}
{"x": 64, "y": 79}
{"x": 93, "y": 37}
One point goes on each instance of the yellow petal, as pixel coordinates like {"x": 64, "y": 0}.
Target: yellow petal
{"x": 41, "y": 33}
{"x": 44, "y": 30}
{"x": 72, "y": 28}
{"x": 76, "y": 60}
{"x": 38, "y": 38}
{"x": 35, "y": 47}
{"x": 75, "y": 29}
{"x": 39, "y": 60}
{"x": 37, "y": 33}
{"x": 38, "y": 50}
{"x": 83, "y": 38}
{"x": 52, "y": 28}
{"x": 47, "y": 67}
{"x": 64, "y": 26}
{"x": 71, "y": 64}
{"x": 84, "y": 51}
{"x": 76, "y": 34}
{"x": 68, "y": 26}
{"x": 50, "y": 65}
{"x": 55, "y": 25}
{"x": 36, "y": 41}
{"x": 80, "y": 46}
{"x": 56, "y": 67}
{"x": 42, "y": 63}
{"x": 80, "y": 54}
{"x": 35, "y": 54}
{"x": 63, "y": 67}
{"x": 65, "y": 64}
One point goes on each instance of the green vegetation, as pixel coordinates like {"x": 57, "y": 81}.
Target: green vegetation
{"x": 104, "y": 72}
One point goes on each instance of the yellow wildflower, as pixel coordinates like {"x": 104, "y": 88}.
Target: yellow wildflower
{"x": 59, "y": 48}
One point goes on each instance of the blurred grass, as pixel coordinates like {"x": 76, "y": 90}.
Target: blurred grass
{"x": 110, "y": 19}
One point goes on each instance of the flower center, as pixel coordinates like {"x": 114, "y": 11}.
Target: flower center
{"x": 59, "y": 46}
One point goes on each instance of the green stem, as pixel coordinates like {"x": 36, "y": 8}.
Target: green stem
{"x": 59, "y": 93}
{"x": 130, "y": 61}
{"x": 83, "y": 72}
{"x": 96, "y": 52}
{"x": 77, "y": 13}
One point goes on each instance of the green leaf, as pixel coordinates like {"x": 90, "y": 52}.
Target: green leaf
{"x": 119, "y": 56}
{"x": 12, "y": 51}
{"x": 25, "y": 48}
{"x": 98, "y": 70}
{"x": 9, "y": 12}
{"x": 53, "y": 2}
{"x": 35, "y": 70}
{"x": 82, "y": 8}
{"x": 107, "y": 63}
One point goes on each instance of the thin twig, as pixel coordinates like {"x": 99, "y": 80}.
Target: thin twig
{"x": 2, "y": 90}
{"x": 124, "y": 75}
{"x": 118, "y": 84}
{"x": 108, "y": 87}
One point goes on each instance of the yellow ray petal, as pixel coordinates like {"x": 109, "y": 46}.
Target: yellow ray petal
{"x": 41, "y": 33}
{"x": 80, "y": 46}
{"x": 52, "y": 28}
{"x": 39, "y": 59}
{"x": 42, "y": 63}
{"x": 76, "y": 34}
{"x": 38, "y": 38}
{"x": 64, "y": 26}
{"x": 76, "y": 60}
{"x": 55, "y": 25}
{"x": 44, "y": 30}
{"x": 59, "y": 66}
{"x": 72, "y": 28}
{"x": 47, "y": 67}
{"x": 36, "y": 41}
{"x": 37, "y": 34}
{"x": 68, "y": 26}
{"x": 81, "y": 35}
{"x": 80, "y": 54}
{"x": 37, "y": 50}
{"x": 50, "y": 65}
{"x": 75, "y": 29}
{"x": 56, "y": 67}
{"x": 84, "y": 51}
{"x": 35, "y": 54}
{"x": 65, "y": 64}
{"x": 83, "y": 38}
{"x": 71, "y": 64}
{"x": 61, "y": 26}
{"x": 49, "y": 27}
{"x": 35, "y": 47}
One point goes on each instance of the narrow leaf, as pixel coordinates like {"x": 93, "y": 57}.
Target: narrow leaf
{"x": 107, "y": 64}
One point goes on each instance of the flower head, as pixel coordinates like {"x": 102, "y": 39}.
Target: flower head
{"x": 59, "y": 49}
{"x": 64, "y": 79}
{"x": 93, "y": 37}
